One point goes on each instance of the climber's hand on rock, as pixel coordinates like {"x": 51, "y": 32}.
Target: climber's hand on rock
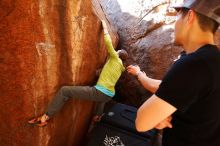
{"x": 104, "y": 24}
{"x": 104, "y": 27}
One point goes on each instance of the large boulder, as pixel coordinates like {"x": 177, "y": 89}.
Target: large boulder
{"x": 45, "y": 44}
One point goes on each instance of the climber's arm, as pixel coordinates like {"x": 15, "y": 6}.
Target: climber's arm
{"x": 108, "y": 41}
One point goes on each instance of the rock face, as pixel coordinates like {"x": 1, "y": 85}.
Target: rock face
{"x": 145, "y": 30}
{"x": 44, "y": 45}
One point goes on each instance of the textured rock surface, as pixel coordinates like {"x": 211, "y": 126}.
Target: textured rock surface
{"x": 217, "y": 37}
{"x": 47, "y": 44}
{"x": 145, "y": 30}
{"x": 44, "y": 45}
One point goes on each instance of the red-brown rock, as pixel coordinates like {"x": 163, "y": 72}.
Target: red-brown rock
{"x": 46, "y": 44}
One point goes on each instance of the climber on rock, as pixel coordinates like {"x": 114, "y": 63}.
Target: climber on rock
{"x": 102, "y": 92}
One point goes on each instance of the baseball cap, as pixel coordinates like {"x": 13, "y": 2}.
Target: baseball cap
{"x": 209, "y": 8}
